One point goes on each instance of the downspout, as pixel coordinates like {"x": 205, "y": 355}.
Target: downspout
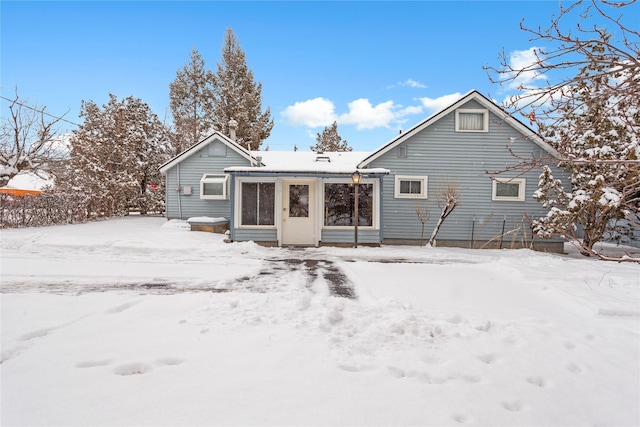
{"x": 178, "y": 189}
{"x": 232, "y": 200}
{"x": 381, "y": 209}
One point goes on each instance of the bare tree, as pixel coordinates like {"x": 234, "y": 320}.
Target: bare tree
{"x": 29, "y": 141}
{"x": 616, "y": 56}
{"x": 583, "y": 95}
{"x": 447, "y": 199}
{"x": 423, "y": 216}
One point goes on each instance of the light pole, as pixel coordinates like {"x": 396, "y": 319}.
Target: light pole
{"x": 355, "y": 178}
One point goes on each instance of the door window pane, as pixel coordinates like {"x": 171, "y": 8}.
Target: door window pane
{"x": 298, "y": 201}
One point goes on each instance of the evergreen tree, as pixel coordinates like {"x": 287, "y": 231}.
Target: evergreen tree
{"x": 599, "y": 138}
{"x": 191, "y": 103}
{"x": 330, "y": 140}
{"x": 238, "y": 97}
{"x": 116, "y": 154}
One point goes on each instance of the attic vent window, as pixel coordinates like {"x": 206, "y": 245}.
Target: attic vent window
{"x": 472, "y": 120}
{"x": 402, "y": 152}
{"x": 321, "y": 158}
{"x": 217, "y": 149}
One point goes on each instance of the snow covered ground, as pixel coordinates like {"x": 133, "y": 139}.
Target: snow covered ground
{"x": 137, "y": 321}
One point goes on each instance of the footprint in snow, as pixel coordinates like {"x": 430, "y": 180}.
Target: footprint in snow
{"x": 487, "y": 358}
{"x": 132, "y": 369}
{"x": 513, "y": 406}
{"x": 93, "y": 363}
{"x": 459, "y": 418}
{"x": 169, "y": 361}
{"x": 576, "y": 369}
{"x": 537, "y": 381}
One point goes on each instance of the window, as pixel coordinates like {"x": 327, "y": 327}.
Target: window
{"x": 509, "y": 189}
{"x": 257, "y": 203}
{"x": 299, "y": 201}
{"x": 411, "y": 187}
{"x": 214, "y": 186}
{"x": 402, "y": 152}
{"x": 472, "y": 121}
{"x": 217, "y": 149}
{"x": 339, "y": 204}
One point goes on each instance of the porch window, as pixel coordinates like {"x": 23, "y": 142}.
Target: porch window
{"x": 214, "y": 186}
{"x": 472, "y": 120}
{"x": 411, "y": 187}
{"x": 339, "y": 206}
{"x": 509, "y": 189}
{"x": 258, "y": 203}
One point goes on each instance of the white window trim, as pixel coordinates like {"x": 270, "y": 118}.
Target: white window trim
{"x": 376, "y": 204}
{"x": 485, "y": 121}
{"x": 210, "y": 178}
{"x": 238, "y": 204}
{"x": 522, "y": 182}
{"x": 423, "y": 187}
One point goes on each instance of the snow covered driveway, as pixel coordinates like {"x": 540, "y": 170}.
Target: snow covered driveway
{"x": 136, "y": 321}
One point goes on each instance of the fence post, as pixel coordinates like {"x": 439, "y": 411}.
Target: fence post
{"x": 473, "y": 229}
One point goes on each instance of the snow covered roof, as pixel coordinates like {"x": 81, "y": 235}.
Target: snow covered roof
{"x": 472, "y": 95}
{"x": 28, "y": 181}
{"x": 307, "y": 162}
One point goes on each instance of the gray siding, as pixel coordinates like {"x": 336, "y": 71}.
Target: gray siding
{"x": 347, "y": 236}
{"x": 443, "y": 155}
{"x": 257, "y": 235}
{"x": 181, "y": 206}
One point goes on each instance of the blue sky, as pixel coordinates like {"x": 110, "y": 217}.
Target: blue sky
{"x": 375, "y": 67}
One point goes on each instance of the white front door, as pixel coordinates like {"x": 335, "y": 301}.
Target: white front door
{"x": 298, "y": 213}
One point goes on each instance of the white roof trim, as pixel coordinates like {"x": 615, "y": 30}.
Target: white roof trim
{"x": 193, "y": 149}
{"x": 472, "y": 95}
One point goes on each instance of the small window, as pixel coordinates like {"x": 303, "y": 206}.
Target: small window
{"x": 217, "y": 149}
{"x": 472, "y": 121}
{"x": 402, "y": 152}
{"x": 214, "y": 186}
{"x": 411, "y": 187}
{"x": 509, "y": 189}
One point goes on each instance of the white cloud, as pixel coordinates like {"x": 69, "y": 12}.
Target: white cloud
{"x": 437, "y": 104}
{"x": 523, "y": 59}
{"x": 362, "y": 114}
{"x": 312, "y": 113}
{"x": 413, "y": 83}
{"x": 410, "y": 83}
{"x": 366, "y": 116}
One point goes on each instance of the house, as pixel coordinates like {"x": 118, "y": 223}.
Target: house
{"x": 308, "y": 199}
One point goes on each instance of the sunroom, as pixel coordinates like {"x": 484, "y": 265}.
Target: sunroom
{"x": 306, "y": 199}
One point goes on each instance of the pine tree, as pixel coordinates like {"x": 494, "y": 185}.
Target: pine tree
{"x": 191, "y": 103}
{"x": 116, "y": 154}
{"x": 599, "y": 139}
{"x": 330, "y": 140}
{"x": 238, "y": 97}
